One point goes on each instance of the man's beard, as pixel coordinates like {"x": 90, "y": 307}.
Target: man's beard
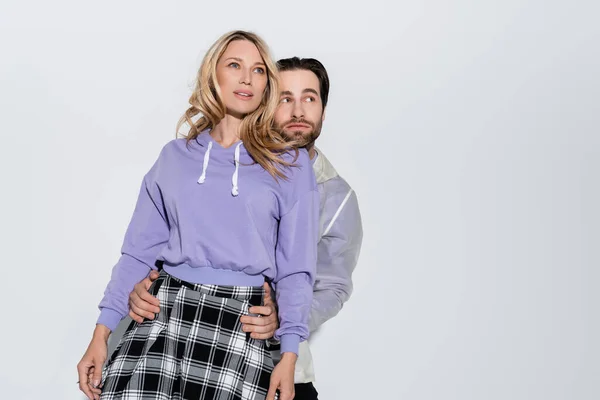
{"x": 300, "y": 138}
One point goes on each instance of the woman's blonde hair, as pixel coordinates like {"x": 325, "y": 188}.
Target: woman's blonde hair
{"x": 263, "y": 142}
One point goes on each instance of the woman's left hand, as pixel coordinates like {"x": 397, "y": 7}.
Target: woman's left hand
{"x": 282, "y": 378}
{"x": 90, "y": 367}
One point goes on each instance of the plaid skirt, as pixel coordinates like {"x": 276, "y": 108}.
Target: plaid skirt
{"x": 193, "y": 349}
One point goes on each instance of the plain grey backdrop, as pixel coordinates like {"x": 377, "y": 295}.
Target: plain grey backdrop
{"x": 469, "y": 130}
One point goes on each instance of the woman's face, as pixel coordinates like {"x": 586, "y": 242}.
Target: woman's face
{"x": 242, "y": 76}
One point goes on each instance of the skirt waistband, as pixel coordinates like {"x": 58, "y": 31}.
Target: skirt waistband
{"x": 254, "y": 294}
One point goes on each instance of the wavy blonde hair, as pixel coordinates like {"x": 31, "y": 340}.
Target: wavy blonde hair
{"x": 264, "y": 143}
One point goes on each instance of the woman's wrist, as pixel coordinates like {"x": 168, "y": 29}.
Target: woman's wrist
{"x": 101, "y": 332}
{"x": 289, "y": 357}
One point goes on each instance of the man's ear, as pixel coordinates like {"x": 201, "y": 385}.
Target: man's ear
{"x": 323, "y": 116}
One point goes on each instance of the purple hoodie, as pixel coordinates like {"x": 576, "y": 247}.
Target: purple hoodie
{"x": 213, "y": 220}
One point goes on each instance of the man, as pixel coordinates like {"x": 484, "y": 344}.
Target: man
{"x": 299, "y": 116}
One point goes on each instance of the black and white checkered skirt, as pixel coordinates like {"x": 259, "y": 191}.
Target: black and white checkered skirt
{"x": 194, "y": 348}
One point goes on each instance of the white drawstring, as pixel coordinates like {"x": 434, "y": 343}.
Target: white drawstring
{"x": 205, "y": 165}
{"x": 234, "y": 178}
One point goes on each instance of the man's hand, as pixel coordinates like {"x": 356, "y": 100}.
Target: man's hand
{"x": 262, "y": 327}
{"x": 141, "y": 303}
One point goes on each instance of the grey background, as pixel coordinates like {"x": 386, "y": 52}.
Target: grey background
{"x": 469, "y": 130}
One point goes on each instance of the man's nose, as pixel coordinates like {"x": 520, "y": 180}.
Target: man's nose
{"x": 298, "y": 111}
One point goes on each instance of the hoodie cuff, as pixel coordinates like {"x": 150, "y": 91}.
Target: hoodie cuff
{"x": 109, "y": 318}
{"x": 290, "y": 343}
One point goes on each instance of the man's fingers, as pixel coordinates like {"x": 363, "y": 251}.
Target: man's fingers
{"x": 154, "y": 274}
{"x": 134, "y": 300}
{"x": 147, "y": 282}
{"x": 135, "y": 317}
{"x": 262, "y": 336}
{"x": 260, "y": 332}
{"x": 140, "y": 312}
{"x": 134, "y": 297}
{"x": 269, "y": 317}
{"x": 262, "y": 310}
{"x": 146, "y": 296}
{"x": 259, "y": 328}
{"x": 267, "y": 296}
{"x": 248, "y": 320}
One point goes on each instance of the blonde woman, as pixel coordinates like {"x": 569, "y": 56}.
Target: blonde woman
{"x": 222, "y": 210}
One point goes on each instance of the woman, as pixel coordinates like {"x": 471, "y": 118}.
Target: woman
{"x": 219, "y": 212}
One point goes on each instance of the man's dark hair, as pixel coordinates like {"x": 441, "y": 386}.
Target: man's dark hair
{"x": 308, "y": 64}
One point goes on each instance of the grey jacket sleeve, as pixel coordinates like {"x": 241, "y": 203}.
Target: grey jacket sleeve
{"x": 338, "y": 252}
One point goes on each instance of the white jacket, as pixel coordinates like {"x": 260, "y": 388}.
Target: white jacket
{"x": 338, "y": 252}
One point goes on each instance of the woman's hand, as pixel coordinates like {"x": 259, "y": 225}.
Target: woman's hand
{"x": 91, "y": 363}
{"x": 282, "y": 378}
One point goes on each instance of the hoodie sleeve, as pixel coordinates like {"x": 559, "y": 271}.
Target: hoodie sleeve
{"x": 146, "y": 234}
{"x": 296, "y": 258}
{"x": 338, "y": 253}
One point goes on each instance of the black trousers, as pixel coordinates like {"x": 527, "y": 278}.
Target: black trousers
{"x": 305, "y": 391}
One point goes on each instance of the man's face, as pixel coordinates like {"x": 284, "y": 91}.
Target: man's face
{"x": 300, "y": 115}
